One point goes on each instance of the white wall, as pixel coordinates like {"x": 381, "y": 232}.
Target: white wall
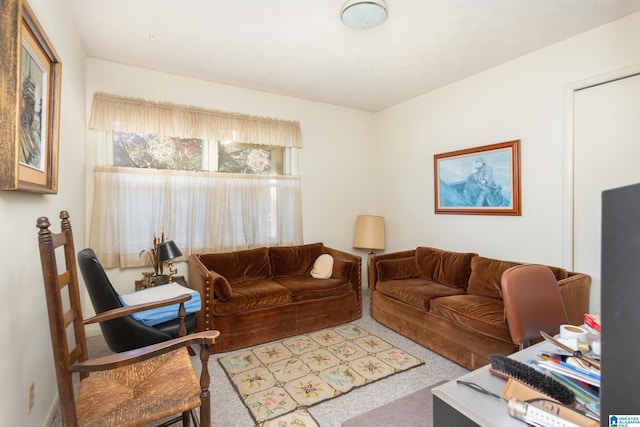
{"x": 522, "y": 99}
{"x": 334, "y": 161}
{"x": 24, "y": 329}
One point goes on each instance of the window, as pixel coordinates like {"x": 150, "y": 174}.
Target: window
{"x": 204, "y": 194}
{"x": 149, "y": 151}
{"x": 236, "y": 157}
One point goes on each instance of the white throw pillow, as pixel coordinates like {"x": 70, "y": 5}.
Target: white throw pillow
{"x": 323, "y": 267}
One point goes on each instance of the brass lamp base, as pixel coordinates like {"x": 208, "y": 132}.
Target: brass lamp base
{"x": 150, "y": 280}
{"x": 172, "y": 270}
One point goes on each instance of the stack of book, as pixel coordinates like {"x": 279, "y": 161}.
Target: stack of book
{"x": 577, "y": 374}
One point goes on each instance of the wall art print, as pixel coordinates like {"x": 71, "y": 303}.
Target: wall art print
{"x": 30, "y": 94}
{"x": 479, "y": 181}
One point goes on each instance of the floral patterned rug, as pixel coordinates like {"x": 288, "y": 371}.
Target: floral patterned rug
{"x": 298, "y": 418}
{"x": 280, "y": 377}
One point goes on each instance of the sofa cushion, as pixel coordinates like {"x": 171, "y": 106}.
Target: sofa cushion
{"x": 401, "y": 268}
{"x": 415, "y": 291}
{"x": 343, "y": 269}
{"x": 486, "y": 276}
{"x": 253, "y": 295}
{"x": 294, "y": 260}
{"x": 304, "y": 288}
{"x": 446, "y": 267}
{"x": 477, "y": 313}
{"x": 239, "y": 266}
{"x": 322, "y": 267}
{"x": 559, "y": 272}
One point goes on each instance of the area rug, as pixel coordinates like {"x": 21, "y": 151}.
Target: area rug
{"x": 415, "y": 409}
{"x": 298, "y": 418}
{"x": 280, "y": 377}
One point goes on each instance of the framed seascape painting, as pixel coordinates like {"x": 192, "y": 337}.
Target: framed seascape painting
{"x": 29, "y": 120}
{"x": 479, "y": 181}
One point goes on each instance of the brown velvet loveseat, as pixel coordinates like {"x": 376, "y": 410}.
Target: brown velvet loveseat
{"x": 451, "y": 302}
{"x": 259, "y": 295}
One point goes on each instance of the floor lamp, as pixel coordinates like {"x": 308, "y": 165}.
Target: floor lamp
{"x": 369, "y": 234}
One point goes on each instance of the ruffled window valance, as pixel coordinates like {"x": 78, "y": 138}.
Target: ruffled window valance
{"x": 112, "y": 112}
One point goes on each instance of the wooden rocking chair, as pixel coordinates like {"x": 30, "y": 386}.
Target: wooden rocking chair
{"x": 137, "y": 387}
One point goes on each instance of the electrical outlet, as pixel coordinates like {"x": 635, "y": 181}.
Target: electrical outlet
{"x": 31, "y": 397}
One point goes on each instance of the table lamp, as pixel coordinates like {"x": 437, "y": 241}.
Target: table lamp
{"x": 369, "y": 233}
{"x": 167, "y": 252}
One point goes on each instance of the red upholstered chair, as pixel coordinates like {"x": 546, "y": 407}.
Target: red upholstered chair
{"x": 532, "y": 302}
{"x": 132, "y": 388}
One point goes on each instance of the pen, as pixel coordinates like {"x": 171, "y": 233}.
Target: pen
{"x": 570, "y": 367}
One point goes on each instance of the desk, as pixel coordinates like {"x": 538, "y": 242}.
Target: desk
{"x": 180, "y": 280}
{"x": 458, "y": 405}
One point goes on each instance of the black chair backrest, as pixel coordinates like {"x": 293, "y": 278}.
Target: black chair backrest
{"x": 103, "y": 296}
{"x": 121, "y": 334}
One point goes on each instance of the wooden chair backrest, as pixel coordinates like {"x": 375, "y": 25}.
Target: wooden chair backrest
{"x": 63, "y": 304}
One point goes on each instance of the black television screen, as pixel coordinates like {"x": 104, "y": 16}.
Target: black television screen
{"x": 620, "y": 303}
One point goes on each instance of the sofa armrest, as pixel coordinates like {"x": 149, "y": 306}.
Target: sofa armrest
{"x": 575, "y": 295}
{"x": 345, "y": 257}
{"x": 356, "y": 276}
{"x": 201, "y": 280}
{"x": 372, "y": 271}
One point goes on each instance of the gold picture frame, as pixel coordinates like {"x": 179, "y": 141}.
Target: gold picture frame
{"x": 479, "y": 181}
{"x": 30, "y": 79}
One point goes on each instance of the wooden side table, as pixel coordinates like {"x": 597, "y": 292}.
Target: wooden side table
{"x": 176, "y": 279}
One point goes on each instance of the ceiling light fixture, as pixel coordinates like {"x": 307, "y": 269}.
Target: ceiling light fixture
{"x": 363, "y": 14}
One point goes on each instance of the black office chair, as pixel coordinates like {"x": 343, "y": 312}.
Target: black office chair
{"x": 124, "y": 333}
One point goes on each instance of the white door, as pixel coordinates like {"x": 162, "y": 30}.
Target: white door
{"x": 606, "y": 155}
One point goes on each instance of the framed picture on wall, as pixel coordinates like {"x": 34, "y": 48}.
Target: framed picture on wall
{"x": 31, "y": 77}
{"x": 479, "y": 181}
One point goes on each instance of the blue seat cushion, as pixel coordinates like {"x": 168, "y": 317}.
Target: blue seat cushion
{"x": 157, "y": 293}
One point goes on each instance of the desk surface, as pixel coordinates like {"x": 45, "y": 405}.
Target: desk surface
{"x": 177, "y": 279}
{"x": 484, "y": 410}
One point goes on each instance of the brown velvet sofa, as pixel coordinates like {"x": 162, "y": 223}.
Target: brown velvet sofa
{"x": 451, "y": 302}
{"x": 259, "y": 295}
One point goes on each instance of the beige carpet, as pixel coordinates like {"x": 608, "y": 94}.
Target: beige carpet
{"x": 415, "y": 409}
{"x": 277, "y": 378}
{"x": 229, "y": 411}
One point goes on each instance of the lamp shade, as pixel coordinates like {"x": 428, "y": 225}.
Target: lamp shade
{"x": 167, "y": 251}
{"x": 369, "y": 232}
{"x": 362, "y": 14}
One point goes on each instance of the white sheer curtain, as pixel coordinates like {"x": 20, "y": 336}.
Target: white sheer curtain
{"x": 200, "y": 211}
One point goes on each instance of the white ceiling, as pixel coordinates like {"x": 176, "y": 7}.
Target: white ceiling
{"x": 300, "y": 48}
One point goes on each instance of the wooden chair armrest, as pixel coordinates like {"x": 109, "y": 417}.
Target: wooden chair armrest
{"x": 131, "y": 309}
{"x": 205, "y": 338}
